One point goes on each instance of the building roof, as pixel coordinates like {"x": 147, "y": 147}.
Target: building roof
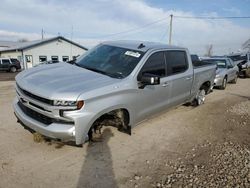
{"x": 19, "y": 46}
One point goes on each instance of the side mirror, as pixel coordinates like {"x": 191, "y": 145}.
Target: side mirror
{"x": 149, "y": 79}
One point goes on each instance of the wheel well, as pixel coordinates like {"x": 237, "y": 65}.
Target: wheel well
{"x": 118, "y": 118}
{"x": 206, "y": 86}
{"x": 13, "y": 66}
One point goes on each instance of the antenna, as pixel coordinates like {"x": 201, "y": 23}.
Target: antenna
{"x": 170, "y": 29}
{"x": 71, "y": 37}
{"x": 141, "y": 46}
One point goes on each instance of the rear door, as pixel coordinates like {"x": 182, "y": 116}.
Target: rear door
{"x": 180, "y": 75}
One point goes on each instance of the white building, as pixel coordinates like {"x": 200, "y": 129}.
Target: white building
{"x": 34, "y": 52}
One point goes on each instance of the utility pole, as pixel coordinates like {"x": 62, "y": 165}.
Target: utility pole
{"x": 170, "y": 29}
{"x": 42, "y": 34}
{"x": 71, "y": 38}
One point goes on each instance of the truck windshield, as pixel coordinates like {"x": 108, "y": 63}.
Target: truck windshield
{"x": 112, "y": 61}
{"x": 219, "y": 62}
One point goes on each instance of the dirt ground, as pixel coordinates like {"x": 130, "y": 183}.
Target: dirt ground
{"x": 4, "y": 76}
{"x": 207, "y": 146}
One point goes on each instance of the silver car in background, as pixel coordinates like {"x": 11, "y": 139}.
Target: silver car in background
{"x": 226, "y": 71}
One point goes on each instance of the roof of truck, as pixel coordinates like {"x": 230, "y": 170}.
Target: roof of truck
{"x": 140, "y": 45}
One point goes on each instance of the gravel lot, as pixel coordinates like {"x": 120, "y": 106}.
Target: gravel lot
{"x": 4, "y": 76}
{"x": 207, "y": 146}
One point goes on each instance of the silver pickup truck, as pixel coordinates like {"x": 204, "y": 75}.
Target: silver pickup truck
{"x": 123, "y": 82}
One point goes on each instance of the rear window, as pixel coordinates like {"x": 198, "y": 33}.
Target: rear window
{"x": 15, "y": 61}
{"x": 221, "y": 63}
{"x": 176, "y": 62}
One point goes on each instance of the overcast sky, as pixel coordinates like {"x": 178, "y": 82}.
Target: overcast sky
{"x": 98, "y": 20}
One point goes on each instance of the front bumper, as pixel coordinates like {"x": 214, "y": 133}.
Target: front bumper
{"x": 64, "y": 132}
{"x": 218, "y": 81}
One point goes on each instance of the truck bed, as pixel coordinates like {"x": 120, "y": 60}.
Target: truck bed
{"x": 202, "y": 73}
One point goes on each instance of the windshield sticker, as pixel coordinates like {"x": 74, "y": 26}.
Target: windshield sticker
{"x": 133, "y": 54}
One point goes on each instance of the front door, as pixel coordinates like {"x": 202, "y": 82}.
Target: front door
{"x": 152, "y": 98}
{"x": 29, "y": 61}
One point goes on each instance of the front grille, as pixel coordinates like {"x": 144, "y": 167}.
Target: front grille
{"x": 35, "y": 115}
{"x": 41, "y": 99}
{"x": 40, "y": 117}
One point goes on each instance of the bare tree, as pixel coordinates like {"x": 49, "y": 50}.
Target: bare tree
{"x": 209, "y": 50}
{"x": 23, "y": 40}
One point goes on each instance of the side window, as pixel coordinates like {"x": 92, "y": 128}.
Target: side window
{"x": 154, "y": 65}
{"x": 176, "y": 62}
{"x": 5, "y": 61}
{"x": 14, "y": 61}
{"x": 54, "y": 58}
{"x": 65, "y": 58}
{"x": 42, "y": 58}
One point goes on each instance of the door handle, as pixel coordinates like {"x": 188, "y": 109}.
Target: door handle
{"x": 165, "y": 84}
{"x": 188, "y": 78}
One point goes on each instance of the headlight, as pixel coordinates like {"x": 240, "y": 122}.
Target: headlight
{"x": 217, "y": 76}
{"x": 77, "y": 104}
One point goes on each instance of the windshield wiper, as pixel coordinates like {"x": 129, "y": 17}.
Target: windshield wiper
{"x": 77, "y": 65}
{"x": 99, "y": 71}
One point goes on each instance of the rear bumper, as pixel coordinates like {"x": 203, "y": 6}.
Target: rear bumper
{"x": 64, "y": 132}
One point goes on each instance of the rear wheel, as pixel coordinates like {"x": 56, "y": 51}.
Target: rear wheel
{"x": 200, "y": 97}
{"x": 224, "y": 83}
{"x": 13, "y": 69}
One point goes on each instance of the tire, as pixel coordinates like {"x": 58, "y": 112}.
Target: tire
{"x": 200, "y": 97}
{"x": 247, "y": 73}
{"x": 13, "y": 69}
{"x": 224, "y": 83}
{"x": 234, "y": 81}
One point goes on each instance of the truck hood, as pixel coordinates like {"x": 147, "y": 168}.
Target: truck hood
{"x": 61, "y": 81}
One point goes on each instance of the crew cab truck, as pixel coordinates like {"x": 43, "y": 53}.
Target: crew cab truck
{"x": 124, "y": 82}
